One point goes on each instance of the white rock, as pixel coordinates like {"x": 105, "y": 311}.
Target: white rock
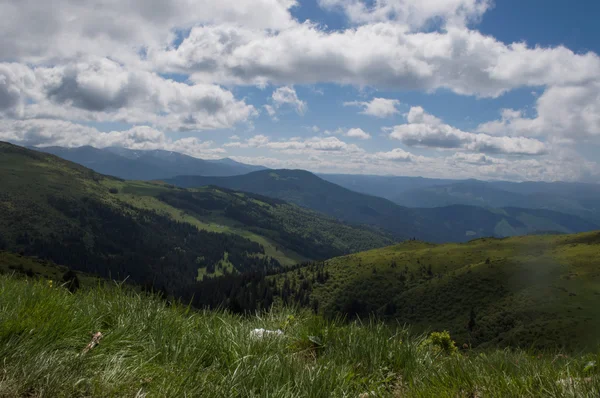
{"x": 263, "y": 333}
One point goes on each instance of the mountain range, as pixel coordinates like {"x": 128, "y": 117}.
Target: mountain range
{"x": 579, "y": 199}
{"x": 288, "y": 236}
{"x": 147, "y": 164}
{"x": 435, "y": 210}
{"x": 456, "y": 223}
{"x": 153, "y": 233}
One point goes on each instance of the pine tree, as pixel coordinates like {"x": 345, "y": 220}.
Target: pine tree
{"x": 472, "y": 324}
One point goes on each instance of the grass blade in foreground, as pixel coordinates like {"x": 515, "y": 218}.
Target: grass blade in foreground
{"x": 152, "y": 349}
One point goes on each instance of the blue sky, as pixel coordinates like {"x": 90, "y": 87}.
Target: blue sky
{"x": 460, "y": 88}
{"x": 538, "y": 22}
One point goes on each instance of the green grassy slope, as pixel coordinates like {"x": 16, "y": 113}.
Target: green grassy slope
{"x": 19, "y": 265}
{"x": 458, "y": 223}
{"x": 526, "y": 291}
{"x": 154, "y": 349}
{"x": 62, "y": 211}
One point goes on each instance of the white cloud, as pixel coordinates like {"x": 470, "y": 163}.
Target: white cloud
{"x": 103, "y": 90}
{"x": 378, "y": 107}
{"x": 67, "y": 65}
{"x": 17, "y": 83}
{"x": 353, "y": 133}
{"x": 472, "y": 158}
{"x": 298, "y": 145}
{"x": 569, "y": 111}
{"x": 460, "y": 165}
{"x": 397, "y": 155}
{"x": 286, "y": 96}
{"x": 271, "y": 111}
{"x": 461, "y": 60}
{"x": 50, "y": 132}
{"x": 258, "y": 140}
{"x": 42, "y": 31}
{"x": 358, "y": 133}
{"x": 425, "y": 130}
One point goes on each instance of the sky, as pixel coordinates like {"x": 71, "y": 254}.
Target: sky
{"x": 504, "y": 90}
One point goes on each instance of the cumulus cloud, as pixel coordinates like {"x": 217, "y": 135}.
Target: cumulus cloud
{"x": 397, "y": 155}
{"x": 17, "y": 83}
{"x": 283, "y": 96}
{"x": 461, "y": 60}
{"x": 473, "y": 158}
{"x": 298, "y": 145}
{"x": 460, "y": 165}
{"x": 51, "y": 132}
{"x": 67, "y": 65}
{"x": 425, "y": 130}
{"x": 103, "y": 90}
{"x": 566, "y": 111}
{"x": 352, "y": 133}
{"x": 378, "y": 107}
{"x": 358, "y": 133}
{"x": 42, "y": 31}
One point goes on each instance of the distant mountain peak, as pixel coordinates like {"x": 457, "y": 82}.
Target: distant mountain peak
{"x": 153, "y": 164}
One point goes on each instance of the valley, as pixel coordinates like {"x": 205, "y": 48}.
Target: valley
{"x": 287, "y": 250}
{"x": 154, "y": 233}
{"x": 450, "y": 223}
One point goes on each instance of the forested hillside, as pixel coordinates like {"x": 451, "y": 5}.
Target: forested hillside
{"x": 533, "y": 291}
{"x": 155, "y": 234}
{"x": 457, "y": 223}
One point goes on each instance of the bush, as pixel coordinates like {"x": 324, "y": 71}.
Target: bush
{"x": 71, "y": 281}
{"x": 113, "y": 190}
{"x": 441, "y": 341}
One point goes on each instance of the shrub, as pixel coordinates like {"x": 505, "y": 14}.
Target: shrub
{"x": 441, "y": 341}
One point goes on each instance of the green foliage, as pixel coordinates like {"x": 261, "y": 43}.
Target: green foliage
{"x": 536, "y": 292}
{"x": 152, "y": 347}
{"x": 31, "y": 267}
{"x": 457, "y": 223}
{"x": 305, "y": 232}
{"x": 151, "y": 233}
{"x": 440, "y": 342}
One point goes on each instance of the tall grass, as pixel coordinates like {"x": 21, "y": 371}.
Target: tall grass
{"x": 156, "y": 349}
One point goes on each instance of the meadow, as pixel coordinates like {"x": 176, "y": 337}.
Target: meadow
{"x": 153, "y": 347}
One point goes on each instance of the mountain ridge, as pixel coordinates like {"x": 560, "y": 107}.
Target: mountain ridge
{"x": 154, "y": 233}
{"x": 451, "y": 223}
{"x": 146, "y": 165}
